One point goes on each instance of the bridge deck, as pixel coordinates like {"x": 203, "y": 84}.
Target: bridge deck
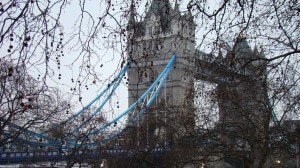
{"x": 39, "y": 156}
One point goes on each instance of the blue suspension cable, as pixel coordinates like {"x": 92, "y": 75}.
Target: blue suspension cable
{"x": 160, "y": 80}
{"x": 120, "y": 77}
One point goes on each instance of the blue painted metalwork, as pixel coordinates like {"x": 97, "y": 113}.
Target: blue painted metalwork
{"x": 38, "y": 156}
{"x": 52, "y": 141}
{"x": 118, "y": 78}
{"x": 160, "y": 80}
{"x": 153, "y": 89}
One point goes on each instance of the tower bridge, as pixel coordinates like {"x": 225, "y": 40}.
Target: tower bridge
{"x": 240, "y": 78}
{"x": 240, "y": 75}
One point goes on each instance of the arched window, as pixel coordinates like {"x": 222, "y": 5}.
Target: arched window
{"x": 140, "y": 77}
{"x": 152, "y": 76}
{"x": 150, "y": 47}
{"x": 144, "y": 45}
{"x": 156, "y": 30}
{"x": 150, "y": 31}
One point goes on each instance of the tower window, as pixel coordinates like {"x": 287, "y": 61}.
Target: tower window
{"x": 187, "y": 46}
{"x": 144, "y": 46}
{"x": 156, "y": 29}
{"x": 159, "y": 45}
{"x": 140, "y": 78}
{"x": 150, "y": 46}
{"x": 150, "y": 31}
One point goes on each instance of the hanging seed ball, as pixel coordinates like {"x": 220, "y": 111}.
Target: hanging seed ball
{"x": 11, "y": 46}
{"x": 21, "y": 97}
{"x": 9, "y": 50}
{"x": 11, "y": 39}
{"x": 10, "y": 68}
{"x": 28, "y": 38}
{"x": 25, "y": 44}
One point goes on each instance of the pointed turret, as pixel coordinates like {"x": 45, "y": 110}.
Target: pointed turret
{"x": 241, "y": 48}
{"x": 219, "y": 58}
{"x": 176, "y": 7}
{"x": 262, "y": 53}
{"x": 176, "y": 10}
{"x": 131, "y": 21}
{"x": 163, "y": 11}
{"x": 255, "y": 51}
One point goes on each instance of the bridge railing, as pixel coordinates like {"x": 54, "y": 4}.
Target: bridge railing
{"x": 12, "y": 157}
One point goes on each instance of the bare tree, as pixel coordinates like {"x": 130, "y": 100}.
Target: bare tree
{"x": 33, "y": 35}
{"x": 25, "y": 104}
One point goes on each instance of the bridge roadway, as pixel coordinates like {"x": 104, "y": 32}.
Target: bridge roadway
{"x": 48, "y": 156}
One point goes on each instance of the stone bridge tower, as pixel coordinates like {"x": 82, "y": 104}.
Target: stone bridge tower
{"x": 153, "y": 40}
{"x": 241, "y": 91}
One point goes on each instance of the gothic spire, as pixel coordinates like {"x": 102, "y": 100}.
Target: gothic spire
{"x": 262, "y": 53}
{"x": 176, "y": 8}
{"x": 131, "y": 20}
{"x": 160, "y": 7}
{"x": 255, "y": 51}
{"x": 241, "y": 47}
{"x": 163, "y": 10}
